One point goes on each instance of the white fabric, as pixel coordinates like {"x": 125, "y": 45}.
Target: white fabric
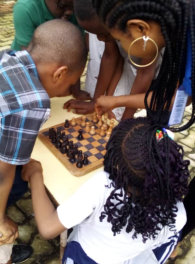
{"x": 5, "y": 253}
{"x": 96, "y": 50}
{"x": 83, "y": 210}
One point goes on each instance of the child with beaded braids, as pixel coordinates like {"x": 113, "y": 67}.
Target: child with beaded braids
{"x": 144, "y": 27}
{"x": 130, "y": 213}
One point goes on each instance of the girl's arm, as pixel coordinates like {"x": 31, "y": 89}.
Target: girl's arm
{"x": 46, "y": 216}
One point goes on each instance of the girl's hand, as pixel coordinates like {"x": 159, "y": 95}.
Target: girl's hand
{"x": 104, "y": 104}
{"x": 30, "y": 169}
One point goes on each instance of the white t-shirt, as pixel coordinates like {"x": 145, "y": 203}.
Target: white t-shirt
{"x": 82, "y": 211}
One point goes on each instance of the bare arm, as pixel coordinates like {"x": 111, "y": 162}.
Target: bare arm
{"x": 46, "y": 216}
{"x": 107, "y": 68}
{"x": 141, "y": 84}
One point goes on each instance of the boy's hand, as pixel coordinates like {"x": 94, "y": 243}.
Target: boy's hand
{"x": 8, "y": 231}
{"x": 104, "y": 104}
{"x": 31, "y": 169}
{"x": 80, "y": 107}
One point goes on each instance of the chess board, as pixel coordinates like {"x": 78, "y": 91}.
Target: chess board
{"x": 92, "y": 145}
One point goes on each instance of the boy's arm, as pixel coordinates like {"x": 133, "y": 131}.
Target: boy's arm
{"x": 8, "y": 230}
{"x": 108, "y": 67}
{"x": 46, "y": 216}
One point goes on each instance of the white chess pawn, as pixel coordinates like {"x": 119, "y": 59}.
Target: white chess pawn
{"x": 83, "y": 123}
{"x": 102, "y": 132}
{"x": 92, "y": 130}
{"x": 73, "y": 122}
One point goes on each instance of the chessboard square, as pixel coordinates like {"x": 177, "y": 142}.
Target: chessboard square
{"x": 95, "y": 144}
{"x": 94, "y": 151}
{"x": 89, "y": 146}
{"x": 71, "y": 130}
{"x": 99, "y": 156}
{"x": 92, "y": 159}
{"x": 100, "y": 148}
{"x": 78, "y": 144}
{"x": 103, "y": 152}
{"x": 88, "y": 153}
{"x": 86, "y": 135}
{"x": 102, "y": 141}
{"x": 60, "y": 128}
{"x": 84, "y": 142}
{"x": 70, "y": 136}
{"x": 91, "y": 139}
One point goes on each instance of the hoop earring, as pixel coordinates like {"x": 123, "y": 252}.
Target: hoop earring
{"x": 145, "y": 39}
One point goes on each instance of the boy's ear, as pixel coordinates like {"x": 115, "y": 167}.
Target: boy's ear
{"x": 137, "y": 28}
{"x": 60, "y": 73}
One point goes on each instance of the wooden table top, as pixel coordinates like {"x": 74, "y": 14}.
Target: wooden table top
{"x": 58, "y": 180}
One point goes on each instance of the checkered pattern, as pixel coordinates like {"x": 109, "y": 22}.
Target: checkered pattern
{"x": 24, "y": 106}
{"x": 92, "y": 145}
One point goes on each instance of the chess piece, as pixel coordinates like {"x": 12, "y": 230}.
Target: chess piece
{"x": 67, "y": 123}
{"x": 80, "y": 154}
{"x": 99, "y": 123}
{"x": 108, "y": 135}
{"x": 87, "y": 129}
{"x": 73, "y": 122}
{"x": 92, "y": 130}
{"x": 72, "y": 158}
{"x": 85, "y": 160}
{"x": 104, "y": 127}
{"x": 63, "y": 150}
{"x": 95, "y": 119}
{"x": 83, "y": 121}
{"x": 102, "y": 132}
{"x": 79, "y": 163}
{"x": 80, "y": 136}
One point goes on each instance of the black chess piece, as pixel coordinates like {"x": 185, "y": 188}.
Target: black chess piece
{"x": 67, "y": 123}
{"x": 72, "y": 158}
{"x": 71, "y": 144}
{"x": 54, "y": 140}
{"x": 58, "y": 144}
{"x": 85, "y": 160}
{"x": 63, "y": 149}
{"x": 79, "y": 163}
{"x": 80, "y": 136}
{"x": 75, "y": 148}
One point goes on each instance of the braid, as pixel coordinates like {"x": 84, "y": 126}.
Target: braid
{"x": 176, "y": 18}
{"x": 148, "y": 178}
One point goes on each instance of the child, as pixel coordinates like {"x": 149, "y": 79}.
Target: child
{"x": 144, "y": 28}
{"x": 124, "y": 212}
{"x": 109, "y": 71}
{"x": 28, "y": 15}
{"x": 53, "y": 61}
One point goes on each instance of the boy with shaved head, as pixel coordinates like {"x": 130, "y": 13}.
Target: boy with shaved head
{"x": 52, "y": 63}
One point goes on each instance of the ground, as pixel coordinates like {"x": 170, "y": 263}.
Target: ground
{"x": 47, "y": 252}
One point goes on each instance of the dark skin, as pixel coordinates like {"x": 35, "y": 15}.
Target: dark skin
{"x": 108, "y": 67}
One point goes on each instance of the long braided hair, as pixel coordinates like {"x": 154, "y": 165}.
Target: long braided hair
{"x": 148, "y": 178}
{"x": 176, "y": 18}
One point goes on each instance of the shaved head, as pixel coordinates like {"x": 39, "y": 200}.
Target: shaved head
{"x": 58, "y": 41}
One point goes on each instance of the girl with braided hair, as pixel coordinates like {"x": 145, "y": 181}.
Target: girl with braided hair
{"x": 130, "y": 213}
{"x": 144, "y": 28}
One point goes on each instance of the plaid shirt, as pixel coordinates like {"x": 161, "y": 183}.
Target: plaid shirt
{"x": 24, "y": 107}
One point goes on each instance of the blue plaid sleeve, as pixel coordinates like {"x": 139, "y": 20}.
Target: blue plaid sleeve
{"x": 18, "y": 133}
